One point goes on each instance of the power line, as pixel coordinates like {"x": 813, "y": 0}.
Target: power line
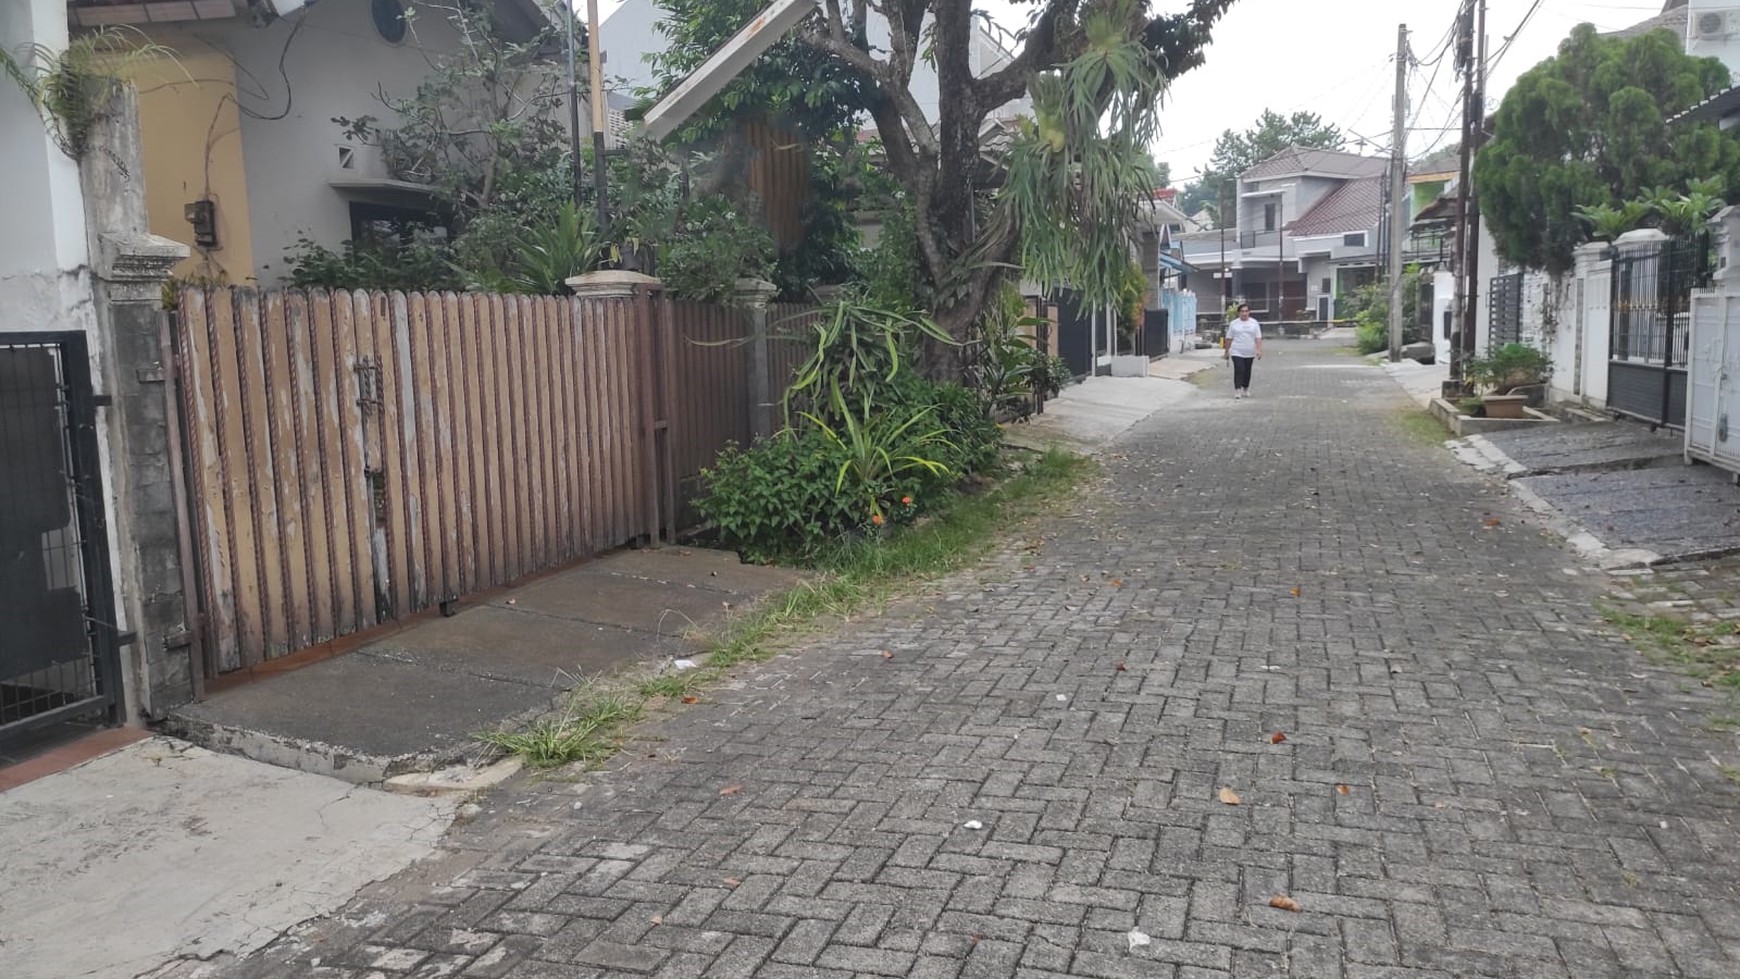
{"x": 1512, "y": 38}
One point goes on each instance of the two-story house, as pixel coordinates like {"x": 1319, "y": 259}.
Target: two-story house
{"x": 1307, "y": 229}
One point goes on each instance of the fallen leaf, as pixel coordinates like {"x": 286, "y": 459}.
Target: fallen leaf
{"x": 1295, "y": 593}
{"x": 732, "y": 882}
{"x": 1122, "y": 668}
{"x": 977, "y": 938}
{"x": 1284, "y": 902}
{"x": 658, "y": 919}
{"x": 1229, "y": 797}
{"x": 1137, "y": 939}
{"x": 731, "y": 790}
{"x": 1492, "y": 522}
{"x": 1342, "y": 789}
{"x": 887, "y": 654}
{"x": 691, "y": 700}
{"x": 1277, "y": 738}
{"x": 1117, "y": 582}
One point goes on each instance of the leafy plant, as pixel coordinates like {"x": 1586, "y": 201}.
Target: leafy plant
{"x": 565, "y": 246}
{"x": 1508, "y": 367}
{"x": 71, "y": 89}
{"x": 717, "y": 242}
{"x": 1007, "y": 369}
{"x": 1607, "y": 222}
{"x": 416, "y": 267}
{"x": 856, "y": 345}
{"x": 884, "y": 456}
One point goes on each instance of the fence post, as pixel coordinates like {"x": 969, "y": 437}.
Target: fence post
{"x": 755, "y": 295}
{"x": 131, "y": 266}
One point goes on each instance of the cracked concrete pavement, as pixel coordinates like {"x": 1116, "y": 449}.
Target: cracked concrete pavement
{"x": 181, "y": 853}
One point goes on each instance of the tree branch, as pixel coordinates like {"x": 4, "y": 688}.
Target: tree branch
{"x": 1179, "y": 39}
{"x": 1007, "y": 83}
{"x": 888, "y": 82}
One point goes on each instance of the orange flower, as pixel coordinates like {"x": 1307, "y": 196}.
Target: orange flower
{"x": 876, "y": 518}
{"x": 907, "y": 500}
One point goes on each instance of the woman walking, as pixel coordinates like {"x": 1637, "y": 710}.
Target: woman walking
{"x": 1244, "y": 347}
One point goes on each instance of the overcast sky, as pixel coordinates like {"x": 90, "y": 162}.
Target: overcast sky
{"x": 1336, "y": 58}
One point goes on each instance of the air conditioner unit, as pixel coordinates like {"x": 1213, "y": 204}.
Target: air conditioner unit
{"x": 1713, "y": 25}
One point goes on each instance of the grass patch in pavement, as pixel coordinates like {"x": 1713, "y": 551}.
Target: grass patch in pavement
{"x": 589, "y": 726}
{"x": 1419, "y": 425}
{"x": 1711, "y": 653}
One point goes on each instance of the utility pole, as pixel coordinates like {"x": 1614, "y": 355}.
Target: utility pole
{"x": 1398, "y": 184}
{"x": 577, "y": 166}
{"x": 595, "y": 76}
{"x": 1465, "y": 52}
{"x": 1476, "y": 127}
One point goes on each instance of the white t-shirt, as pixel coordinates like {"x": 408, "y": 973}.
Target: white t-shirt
{"x": 1242, "y": 337}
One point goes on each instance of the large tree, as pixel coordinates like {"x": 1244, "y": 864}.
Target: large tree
{"x": 1236, "y": 152}
{"x": 1070, "y": 176}
{"x": 1589, "y": 128}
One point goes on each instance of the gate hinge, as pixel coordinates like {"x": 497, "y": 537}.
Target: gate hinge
{"x": 150, "y": 375}
{"x": 126, "y": 638}
{"x": 178, "y": 640}
{"x": 103, "y": 400}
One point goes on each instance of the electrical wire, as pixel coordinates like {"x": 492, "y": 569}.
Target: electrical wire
{"x": 1495, "y": 59}
{"x": 283, "y": 72}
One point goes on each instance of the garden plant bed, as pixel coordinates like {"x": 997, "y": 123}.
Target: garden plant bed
{"x": 1464, "y": 425}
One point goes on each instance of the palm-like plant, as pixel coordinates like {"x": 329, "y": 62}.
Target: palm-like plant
{"x": 880, "y": 450}
{"x": 71, "y": 88}
{"x": 857, "y": 345}
{"x": 554, "y": 252}
{"x": 1607, "y": 223}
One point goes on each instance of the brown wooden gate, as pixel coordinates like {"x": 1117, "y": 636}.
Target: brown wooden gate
{"x": 358, "y": 457}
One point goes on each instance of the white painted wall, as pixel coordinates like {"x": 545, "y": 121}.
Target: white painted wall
{"x": 1726, "y": 47}
{"x": 334, "y": 63}
{"x": 43, "y": 253}
{"x": 1443, "y": 304}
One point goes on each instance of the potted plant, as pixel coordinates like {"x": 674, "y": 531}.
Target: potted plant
{"x": 1500, "y": 373}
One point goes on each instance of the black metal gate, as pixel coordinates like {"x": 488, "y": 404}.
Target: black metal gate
{"x": 1651, "y": 327}
{"x": 1504, "y": 299}
{"x": 59, "y": 657}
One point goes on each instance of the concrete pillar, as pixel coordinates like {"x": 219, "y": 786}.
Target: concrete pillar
{"x": 131, "y": 266}
{"x": 755, "y": 295}
{"x": 612, "y": 284}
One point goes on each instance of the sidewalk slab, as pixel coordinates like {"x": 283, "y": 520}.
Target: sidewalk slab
{"x": 1587, "y": 447}
{"x": 1089, "y": 415}
{"x": 163, "y": 851}
{"x": 1652, "y": 516}
{"x": 414, "y": 699}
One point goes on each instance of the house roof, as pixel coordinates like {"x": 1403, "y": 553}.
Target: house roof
{"x": 1674, "y": 17}
{"x": 1325, "y": 163}
{"x": 1712, "y": 109}
{"x": 521, "y": 18}
{"x": 1357, "y": 205}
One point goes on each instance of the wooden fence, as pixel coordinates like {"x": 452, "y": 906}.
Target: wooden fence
{"x": 359, "y": 457}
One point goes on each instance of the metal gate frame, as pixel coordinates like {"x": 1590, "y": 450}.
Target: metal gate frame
{"x": 79, "y": 432}
{"x": 1650, "y": 328}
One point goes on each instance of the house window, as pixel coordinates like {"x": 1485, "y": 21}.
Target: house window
{"x": 1326, "y": 286}
{"x": 389, "y": 17}
{"x": 383, "y": 227}
{"x": 1268, "y": 217}
{"x": 1355, "y": 240}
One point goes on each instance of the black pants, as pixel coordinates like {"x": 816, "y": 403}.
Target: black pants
{"x": 1242, "y": 372}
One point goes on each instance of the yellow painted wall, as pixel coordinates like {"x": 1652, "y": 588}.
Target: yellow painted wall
{"x": 191, "y": 131}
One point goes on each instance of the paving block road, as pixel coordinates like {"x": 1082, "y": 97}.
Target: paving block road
{"x": 1441, "y": 756}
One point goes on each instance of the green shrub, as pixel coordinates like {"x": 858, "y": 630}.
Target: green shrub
{"x": 1508, "y": 367}
{"x": 1371, "y": 337}
{"x": 777, "y": 499}
{"x": 860, "y": 468}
